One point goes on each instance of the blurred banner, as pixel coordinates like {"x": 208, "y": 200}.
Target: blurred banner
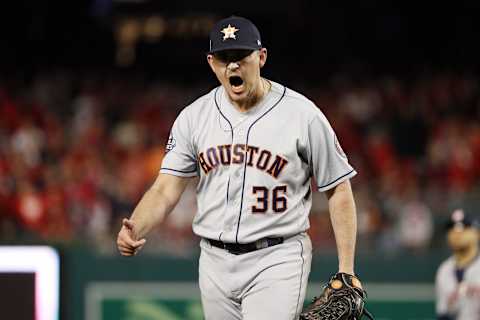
{"x": 29, "y": 278}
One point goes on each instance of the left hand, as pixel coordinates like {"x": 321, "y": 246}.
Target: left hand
{"x": 342, "y": 299}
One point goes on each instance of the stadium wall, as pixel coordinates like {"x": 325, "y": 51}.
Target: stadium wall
{"x": 151, "y": 284}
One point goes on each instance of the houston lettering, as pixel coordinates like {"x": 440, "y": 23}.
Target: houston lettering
{"x": 225, "y": 155}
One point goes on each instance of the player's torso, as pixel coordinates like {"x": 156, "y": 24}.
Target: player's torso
{"x": 468, "y": 302}
{"x": 253, "y": 180}
{"x": 471, "y": 299}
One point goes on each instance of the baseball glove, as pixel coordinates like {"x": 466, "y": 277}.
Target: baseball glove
{"x": 342, "y": 299}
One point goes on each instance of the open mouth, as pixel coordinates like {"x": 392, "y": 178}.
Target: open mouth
{"x": 236, "y": 82}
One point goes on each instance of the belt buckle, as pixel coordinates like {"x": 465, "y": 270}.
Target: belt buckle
{"x": 233, "y": 250}
{"x": 261, "y": 244}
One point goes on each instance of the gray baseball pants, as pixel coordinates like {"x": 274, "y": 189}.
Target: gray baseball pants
{"x": 266, "y": 284}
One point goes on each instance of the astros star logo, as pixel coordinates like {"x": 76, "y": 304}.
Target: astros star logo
{"x": 229, "y": 33}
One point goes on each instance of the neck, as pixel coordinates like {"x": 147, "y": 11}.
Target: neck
{"x": 257, "y": 94}
{"x": 466, "y": 256}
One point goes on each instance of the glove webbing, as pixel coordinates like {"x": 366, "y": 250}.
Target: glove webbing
{"x": 339, "y": 307}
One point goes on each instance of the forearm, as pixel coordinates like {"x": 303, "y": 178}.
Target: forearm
{"x": 150, "y": 211}
{"x": 344, "y": 222}
{"x": 157, "y": 203}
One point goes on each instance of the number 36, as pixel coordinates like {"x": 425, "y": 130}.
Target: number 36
{"x": 279, "y": 200}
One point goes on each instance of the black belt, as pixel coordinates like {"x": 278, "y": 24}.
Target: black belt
{"x": 241, "y": 248}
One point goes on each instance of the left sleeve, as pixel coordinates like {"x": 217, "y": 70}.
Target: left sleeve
{"x": 328, "y": 162}
{"x": 441, "y": 304}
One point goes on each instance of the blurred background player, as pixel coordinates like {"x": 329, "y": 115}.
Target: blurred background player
{"x": 458, "y": 277}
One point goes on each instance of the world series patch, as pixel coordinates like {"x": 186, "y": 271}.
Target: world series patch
{"x": 171, "y": 143}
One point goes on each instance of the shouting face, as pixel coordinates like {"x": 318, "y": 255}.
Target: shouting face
{"x": 239, "y": 73}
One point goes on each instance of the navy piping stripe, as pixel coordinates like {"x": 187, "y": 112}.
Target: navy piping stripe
{"x": 301, "y": 279}
{"x": 228, "y": 187}
{"x": 219, "y": 111}
{"x": 231, "y": 130}
{"x": 179, "y": 170}
{"x": 346, "y": 174}
{"x": 245, "y": 164}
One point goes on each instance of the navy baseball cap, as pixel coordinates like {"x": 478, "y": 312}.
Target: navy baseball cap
{"x": 460, "y": 219}
{"x": 234, "y": 33}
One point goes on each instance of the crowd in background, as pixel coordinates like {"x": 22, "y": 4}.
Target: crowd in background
{"x": 78, "y": 151}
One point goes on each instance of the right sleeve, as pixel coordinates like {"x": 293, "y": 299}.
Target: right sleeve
{"x": 180, "y": 159}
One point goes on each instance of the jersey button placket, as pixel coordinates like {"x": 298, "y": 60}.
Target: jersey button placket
{"x": 236, "y": 182}
{"x": 231, "y": 215}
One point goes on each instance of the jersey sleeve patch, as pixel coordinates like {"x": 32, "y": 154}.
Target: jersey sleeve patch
{"x": 171, "y": 143}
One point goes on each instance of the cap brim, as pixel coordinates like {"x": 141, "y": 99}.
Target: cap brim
{"x": 234, "y": 48}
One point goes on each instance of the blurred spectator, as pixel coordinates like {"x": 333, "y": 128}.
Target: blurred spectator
{"x": 28, "y": 141}
{"x": 415, "y": 223}
{"x": 77, "y": 152}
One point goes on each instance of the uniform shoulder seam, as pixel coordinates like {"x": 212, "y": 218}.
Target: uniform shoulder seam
{"x": 293, "y": 94}
{"x": 300, "y": 97}
{"x": 208, "y": 95}
{"x": 446, "y": 263}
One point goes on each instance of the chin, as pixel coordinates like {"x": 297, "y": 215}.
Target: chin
{"x": 237, "y": 97}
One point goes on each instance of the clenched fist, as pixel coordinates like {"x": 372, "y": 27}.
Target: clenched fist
{"x": 127, "y": 241}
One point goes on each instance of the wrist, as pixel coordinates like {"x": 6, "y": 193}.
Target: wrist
{"x": 346, "y": 270}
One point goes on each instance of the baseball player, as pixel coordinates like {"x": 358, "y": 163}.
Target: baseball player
{"x": 255, "y": 146}
{"x": 458, "y": 278}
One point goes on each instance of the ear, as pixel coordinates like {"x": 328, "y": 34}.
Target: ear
{"x": 263, "y": 57}
{"x": 210, "y": 62}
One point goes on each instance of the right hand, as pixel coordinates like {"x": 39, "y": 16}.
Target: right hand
{"x": 127, "y": 242}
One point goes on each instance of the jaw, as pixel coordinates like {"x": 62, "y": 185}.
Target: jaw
{"x": 241, "y": 100}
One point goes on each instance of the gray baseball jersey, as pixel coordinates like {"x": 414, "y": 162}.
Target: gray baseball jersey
{"x": 467, "y": 306}
{"x": 255, "y": 167}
